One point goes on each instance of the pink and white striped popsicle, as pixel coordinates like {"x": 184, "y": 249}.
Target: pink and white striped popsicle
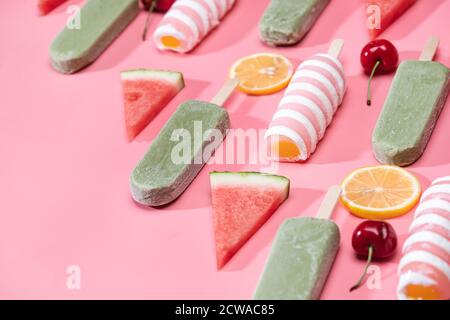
{"x": 424, "y": 269}
{"x": 308, "y": 106}
{"x": 188, "y": 22}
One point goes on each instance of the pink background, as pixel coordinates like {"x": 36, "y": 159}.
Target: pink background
{"x": 65, "y": 160}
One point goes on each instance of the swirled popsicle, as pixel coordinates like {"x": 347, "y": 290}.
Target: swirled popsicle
{"x": 188, "y": 22}
{"x": 308, "y": 106}
{"x": 425, "y": 266}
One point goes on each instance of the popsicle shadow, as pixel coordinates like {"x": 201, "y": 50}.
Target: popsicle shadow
{"x": 121, "y": 47}
{"x": 325, "y": 27}
{"x": 349, "y": 134}
{"x": 412, "y": 19}
{"x": 295, "y": 206}
{"x": 437, "y": 151}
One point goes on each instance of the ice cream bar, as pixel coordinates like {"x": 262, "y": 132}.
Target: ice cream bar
{"x": 302, "y": 256}
{"x": 101, "y": 21}
{"x": 415, "y": 101}
{"x": 188, "y": 22}
{"x": 308, "y": 106}
{"x": 286, "y": 22}
{"x": 424, "y": 270}
{"x": 180, "y": 150}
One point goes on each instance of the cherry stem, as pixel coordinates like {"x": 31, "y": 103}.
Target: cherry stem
{"x": 150, "y": 11}
{"x": 369, "y": 93}
{"x": 369, "y": 261}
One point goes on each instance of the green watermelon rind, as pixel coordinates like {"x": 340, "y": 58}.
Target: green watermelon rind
{"x": 251, "y": 179}
{"x": 174, "y": 77}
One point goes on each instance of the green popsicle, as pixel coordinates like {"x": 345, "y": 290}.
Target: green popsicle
{"x": 302, "y": 256}
{"x": 286, "y": 22}
{"x": 101, "y": 21}
{"x": 168, "y": 168}
{"x": 415, "y": 101}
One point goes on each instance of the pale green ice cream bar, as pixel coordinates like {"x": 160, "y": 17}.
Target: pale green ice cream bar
{"x": 286, "y": 22}
{"x": 179, "y": 152}
{"x": 415, "y": 101}
{"x": 101, "y": 21}
{"x": 300, "y": 260}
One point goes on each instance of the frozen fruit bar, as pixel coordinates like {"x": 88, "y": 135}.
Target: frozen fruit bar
{"x": 307, "y": 108}
{"x": 101, "y": 21}
{"x": 286, "y": 22}
{"x": 416, "y": 98}
{"x": 188, "y": 22}
{"x": 300, "y": 260}
{"x": 166, "y": 171}
{"x": 424, "y": 269}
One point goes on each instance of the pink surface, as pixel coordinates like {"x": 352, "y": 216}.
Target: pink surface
{"x": 65, "y": 159}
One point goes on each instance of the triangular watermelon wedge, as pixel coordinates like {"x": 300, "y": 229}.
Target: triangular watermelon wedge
{"x": 146, "y": 93}
{"x": 45, "y": 6}
{"x": 391, "y": 10}
{"x": 242, "y": 202}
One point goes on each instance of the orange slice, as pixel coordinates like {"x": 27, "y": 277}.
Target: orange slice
{"x": 262, "y": 73}
{"x": 381, "y": 192}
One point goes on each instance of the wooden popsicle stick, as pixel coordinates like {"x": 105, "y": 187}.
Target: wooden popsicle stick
{"x": 329, "y": 203}
{"x": 429, "y": 51}
{"x": 225, "y": 92}
{"x": 336, "y": 48}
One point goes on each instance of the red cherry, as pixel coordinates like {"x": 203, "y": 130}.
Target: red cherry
{"x": 373, "y": 239}
{"x": 160, "y": 5}
{"x": 378, "y": 56}
{"x": 164, "y": 5}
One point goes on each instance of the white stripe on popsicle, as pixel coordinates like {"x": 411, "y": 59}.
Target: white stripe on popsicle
{"x": 297, "y": 116}
{"x": 318, "y": 93}
{"x": 198, "y": 8}
{"x": 429, "y": 237}
{"x": 442, "y": 179}
{"x": 184, "y": 18}
{"x": 311, "y": 105}
{"x": 431, "y": 219}
{"x": 433, "y": 204}
{"x": 336, "y": 61}
{"x": 214, "y": 11}
{"x": 427, "y": 258}
{"x": 329, "y": 68}
{"x": 437, "y": 188}
{"x": 323, "y": 80}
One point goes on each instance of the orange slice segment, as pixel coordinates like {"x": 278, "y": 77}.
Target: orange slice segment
{"x": 262, "y": 73}
{"x": 381, "y": 192}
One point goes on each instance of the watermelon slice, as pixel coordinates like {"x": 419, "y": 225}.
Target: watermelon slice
{"x": 146, "y": 93}
{"x": 45, "y": 6}
{"x": 242, "y": 202}
{"x": 391, "y": 10}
